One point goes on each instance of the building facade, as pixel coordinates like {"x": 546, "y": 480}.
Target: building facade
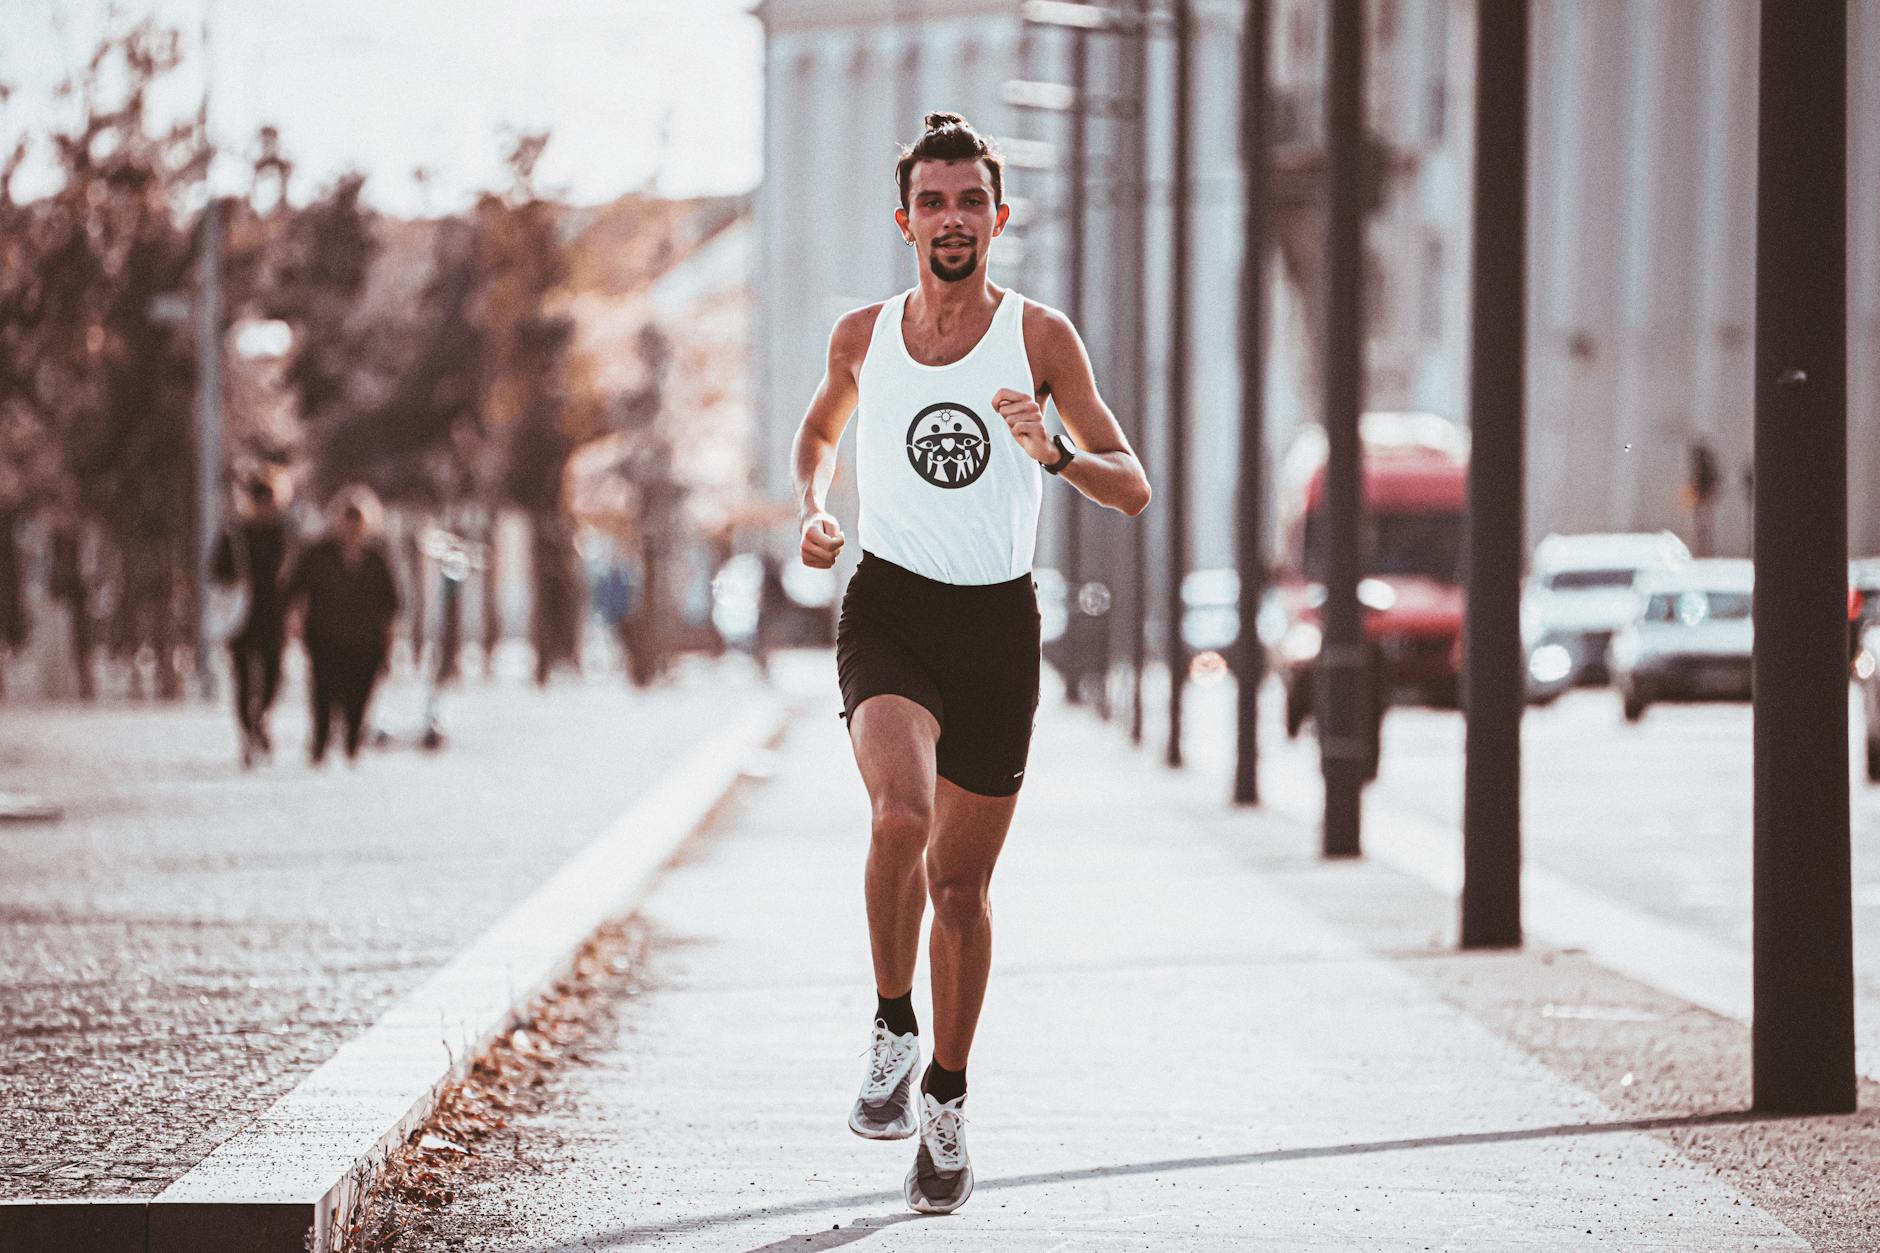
{"x": 1641, "y": 222}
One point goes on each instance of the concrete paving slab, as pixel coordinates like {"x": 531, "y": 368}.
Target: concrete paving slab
{"x": 307, "y": 1153}
{"x": 1174, "y": 1054}
{"x": 296, "y": 1167}
{"x": 192, "y": 939}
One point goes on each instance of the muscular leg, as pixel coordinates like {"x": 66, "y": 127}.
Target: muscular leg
{"x": 894, "y": 740}
{"x": 968, "y": 832}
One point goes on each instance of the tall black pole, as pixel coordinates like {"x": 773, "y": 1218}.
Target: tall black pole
{"x": 1136, "y": 188}
{"x": 1802, "y": 1037}
{"x": 1250, "y": 503}
{"x": 209, "y": 485}
{"x": 1076, "y": 175}
{"x": 1494, "y": 682}
{"x": 1341, "y": 666}
{"x": 1176, "y": 453}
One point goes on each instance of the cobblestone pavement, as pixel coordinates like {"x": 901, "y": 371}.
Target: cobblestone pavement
{"x": 191, "y": 939}
{"x": 1198, "y": 1036}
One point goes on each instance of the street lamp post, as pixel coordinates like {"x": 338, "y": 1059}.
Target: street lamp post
{"x": 1343, "y": 750}
{"x": 208, "y": 310}
{"x": 1135, "y": 189}
{"x": 209, "y": 485}
{"x": 1802, "y": 1034}
{"x": 1176, "y": 453}
{"x": 1251, "y": 500}
{"x": 1494, "y": 687}
{"x": 1077, "y": 178}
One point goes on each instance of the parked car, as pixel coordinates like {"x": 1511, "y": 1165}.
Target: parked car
{"x": 1580, "y": 593}
{"x": 1866, "y": 664}
{"x": 1691, "y": 636}
{"x": 1863, "y": 601}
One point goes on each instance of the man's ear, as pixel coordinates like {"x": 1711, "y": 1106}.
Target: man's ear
{"x": 998, "y": 223}
{"x": 900, "y": 220}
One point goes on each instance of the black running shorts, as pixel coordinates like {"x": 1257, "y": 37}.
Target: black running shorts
{"x": 968, "y": 654}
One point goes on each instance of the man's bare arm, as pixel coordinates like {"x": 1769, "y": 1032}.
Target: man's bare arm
{"x": 813, "y": 454}
{"x": 1106, "y": 468}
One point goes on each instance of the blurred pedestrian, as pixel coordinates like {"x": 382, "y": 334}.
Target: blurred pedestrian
{"x": 249, "y": 556}
{"x": 937, "y": 648}
{"x": 351, "y": 600}
{"x": 773, "y": 602}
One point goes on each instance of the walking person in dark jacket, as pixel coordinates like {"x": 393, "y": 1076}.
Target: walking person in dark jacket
{"x": 252, "y": 553}
{"x": 351, "y": 600}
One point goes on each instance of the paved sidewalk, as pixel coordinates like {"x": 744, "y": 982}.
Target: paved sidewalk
{"x": 1198, "y": 1036}
{"x": 190, "y": 940}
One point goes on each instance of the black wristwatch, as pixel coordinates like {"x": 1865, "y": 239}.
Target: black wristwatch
{"x": 1067, "y": 453}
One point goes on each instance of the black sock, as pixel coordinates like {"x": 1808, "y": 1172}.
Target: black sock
{"x": 942, "y": 1084}
{"x": 897, "y": 1012}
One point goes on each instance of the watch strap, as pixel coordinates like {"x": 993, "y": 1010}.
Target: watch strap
{"x": 1067, "y": 453}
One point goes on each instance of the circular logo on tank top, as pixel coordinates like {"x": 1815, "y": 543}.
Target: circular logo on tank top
{"x": 947, "y": 445}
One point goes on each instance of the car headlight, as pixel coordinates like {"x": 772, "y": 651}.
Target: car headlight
{"x": 1302, "y": 643}
{"x": 1376, "y": 594}
{"x": 1550, "y": 663}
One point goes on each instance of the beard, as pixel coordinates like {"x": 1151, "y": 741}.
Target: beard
{"x": 953, "y": 273}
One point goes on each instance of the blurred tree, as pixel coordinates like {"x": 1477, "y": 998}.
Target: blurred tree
{"x": 96, "y": 365}
{"x": 534, "y": 415}
{"x": 412, "y": 431}
{"x": 317, "y": 271}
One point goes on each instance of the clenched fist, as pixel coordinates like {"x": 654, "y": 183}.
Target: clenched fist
{"x": 1025, "y": 420}
{"x": 822, "y": 540}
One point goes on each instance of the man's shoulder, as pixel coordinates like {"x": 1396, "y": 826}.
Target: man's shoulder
{"x": 854, "y": 330}
{"x": 1046, "y": 328}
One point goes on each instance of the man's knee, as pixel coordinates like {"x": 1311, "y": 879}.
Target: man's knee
{"x": 958, "y": 899}
{"x": 901, "y": 824}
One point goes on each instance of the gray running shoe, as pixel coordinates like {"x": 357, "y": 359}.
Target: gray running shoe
{"x": 941, "y": 1177}
{"x": 886, "y": 1109}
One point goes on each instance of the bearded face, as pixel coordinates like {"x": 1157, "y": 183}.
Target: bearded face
{"x": 952, "y": 216}
{"x": 954, "y": 259}
{"x": 947, "y": 445}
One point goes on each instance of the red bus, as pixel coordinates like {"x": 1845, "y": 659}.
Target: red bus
{"x": 1416, "y": 468}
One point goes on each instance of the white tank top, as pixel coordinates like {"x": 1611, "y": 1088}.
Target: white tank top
{"x": 945, "y": 490}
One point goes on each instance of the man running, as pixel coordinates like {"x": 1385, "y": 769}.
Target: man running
{"x": 937, "y": 648}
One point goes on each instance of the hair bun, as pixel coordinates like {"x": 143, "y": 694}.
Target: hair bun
{"x": 940, "y": 121}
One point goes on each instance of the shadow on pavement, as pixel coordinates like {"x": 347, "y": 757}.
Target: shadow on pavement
{"x": 860, "y": 1229}
{"x": 866, "y": 1227}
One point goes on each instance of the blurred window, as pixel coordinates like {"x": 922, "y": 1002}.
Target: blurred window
{"x": 1588, "y": 580}
{"x": 1693, "y": 607}
{"x": 1431, "y": 313}
{"x": 1376, "y": 294}
{"x": 1304, "y": 32}
{"x": 1412, "y": 545}
{"x": 1437, "y": 120}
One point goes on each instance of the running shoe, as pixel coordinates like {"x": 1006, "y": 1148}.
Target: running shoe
{"x": 886, "y": 1109}
{"x": 941, "y": 1178}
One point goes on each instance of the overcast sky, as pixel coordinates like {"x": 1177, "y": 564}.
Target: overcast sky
{"x": 387, "y": 86}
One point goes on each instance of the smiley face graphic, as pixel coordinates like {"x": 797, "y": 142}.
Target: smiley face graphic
{"x": 947, "y": 445}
